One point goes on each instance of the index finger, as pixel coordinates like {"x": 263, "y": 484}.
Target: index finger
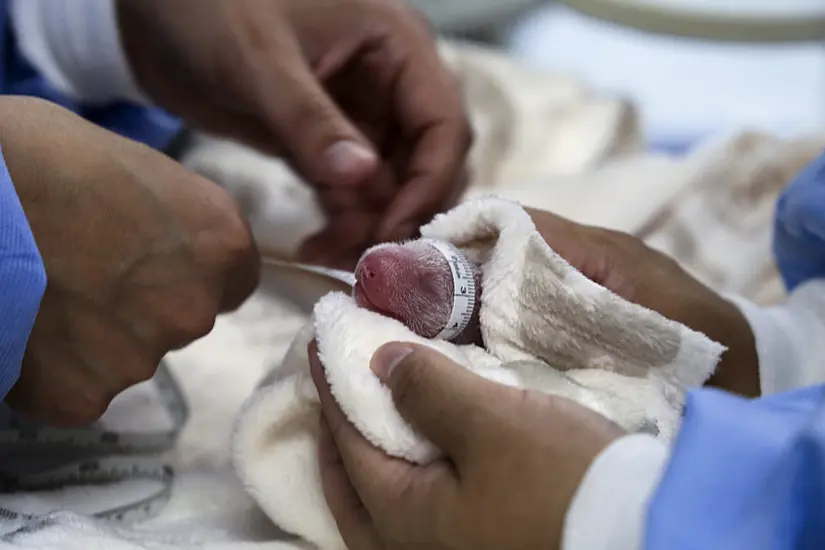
{"x": 430, "y": 110}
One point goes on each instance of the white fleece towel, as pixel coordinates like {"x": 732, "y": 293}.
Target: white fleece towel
{"x": 620, "y": 359}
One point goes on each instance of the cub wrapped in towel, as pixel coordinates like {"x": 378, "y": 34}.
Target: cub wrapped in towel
{"x": 428, "y": 285}
{"x": 537, "y": 317}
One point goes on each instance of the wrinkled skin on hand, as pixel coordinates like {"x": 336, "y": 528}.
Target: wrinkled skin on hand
{"x": 140, "y": 254}
{"x": 413, "y": 283}
{"x": 514, "y": 459}
{"x": 352, "y": 93}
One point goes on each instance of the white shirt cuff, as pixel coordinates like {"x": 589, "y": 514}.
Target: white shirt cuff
{"x": 609, "y": 510}
{"x": 75, "y": 45}
{"x": 790, "y": 338}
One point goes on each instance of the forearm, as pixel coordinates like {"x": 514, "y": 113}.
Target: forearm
{"x": 22, "y": 282}
{"x": 75, "y": 44}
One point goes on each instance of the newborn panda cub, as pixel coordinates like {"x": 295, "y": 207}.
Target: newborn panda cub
{"x": 412, "y": 282}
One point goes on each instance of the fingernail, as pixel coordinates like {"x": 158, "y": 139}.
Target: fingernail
{"x": 388, "y": 357}
{"x": 349, "y": 158}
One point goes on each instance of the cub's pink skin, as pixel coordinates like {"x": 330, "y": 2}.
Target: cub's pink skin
{"x": 412, "y": 283}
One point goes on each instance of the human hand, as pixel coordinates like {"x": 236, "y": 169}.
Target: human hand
{"x": 639, "y": 274}
{"x": 140, "y": 254}
{"x": 513, "y": 460}
{"x": 352, "y": 92}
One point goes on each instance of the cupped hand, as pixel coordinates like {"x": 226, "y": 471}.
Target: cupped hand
{"x": 513, "y": 460}
{"x": 639, "y": 274}
{"x": 140, "y": 254}
{"x": 352, "y": 92}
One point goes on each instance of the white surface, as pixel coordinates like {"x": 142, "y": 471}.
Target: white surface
{"x": 737, "y": 8}
{"x": 614, "y": 495}
{"x": 457, "y": 15}
{"x": 76, "y": 45}
{"x": 685, "y": 89}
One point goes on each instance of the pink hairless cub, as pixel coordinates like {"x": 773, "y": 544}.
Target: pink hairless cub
{"x": 413, "y": 282}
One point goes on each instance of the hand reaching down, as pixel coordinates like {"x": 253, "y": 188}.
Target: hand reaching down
{"x": 352, "y": 93}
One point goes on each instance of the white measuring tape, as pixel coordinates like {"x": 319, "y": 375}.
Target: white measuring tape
{"x": 98, "y": 457}
{"x": 464, "y": 289}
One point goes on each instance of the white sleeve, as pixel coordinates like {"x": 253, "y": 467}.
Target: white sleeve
{"x": 75, "y": 44}
{"x": 790, "y": 338}
{"x": 609, "y": 509}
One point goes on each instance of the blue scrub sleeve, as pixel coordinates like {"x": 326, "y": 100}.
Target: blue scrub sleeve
{"x": 154, "y": 127}
{"x": 744, "y": 475}
{"x": 22, "y": 281}
{"x": 799, "y": 227}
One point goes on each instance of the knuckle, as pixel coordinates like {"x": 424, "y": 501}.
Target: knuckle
{"x": 140, "y": 373}
{"x": 235, "y": 236}
{"x": 241, "y": 264}
{"x": 408, "y": 379}
{"x": 185, "y": 315}
{"x": 616, "y": 236}
{"x": 627, "y": 244}
{"x": 227, "y": 243}
{"x": 187, "y": 318}
{"x": 394, "y": 523}
{"x": 195, "y": 322}
{"x": 315, "y": 122}
{"x": 643, "y": 253}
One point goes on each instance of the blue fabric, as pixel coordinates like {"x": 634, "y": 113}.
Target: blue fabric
{"x": 151, "y": 126}
{"x": 799, "y": 227}
{"x": 22, "y": 281}
{"x": 744, "y": 475}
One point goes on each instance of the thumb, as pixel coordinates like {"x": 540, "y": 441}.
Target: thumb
{"x": 442, "y": 400}
{"x": 323, "y": 144}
